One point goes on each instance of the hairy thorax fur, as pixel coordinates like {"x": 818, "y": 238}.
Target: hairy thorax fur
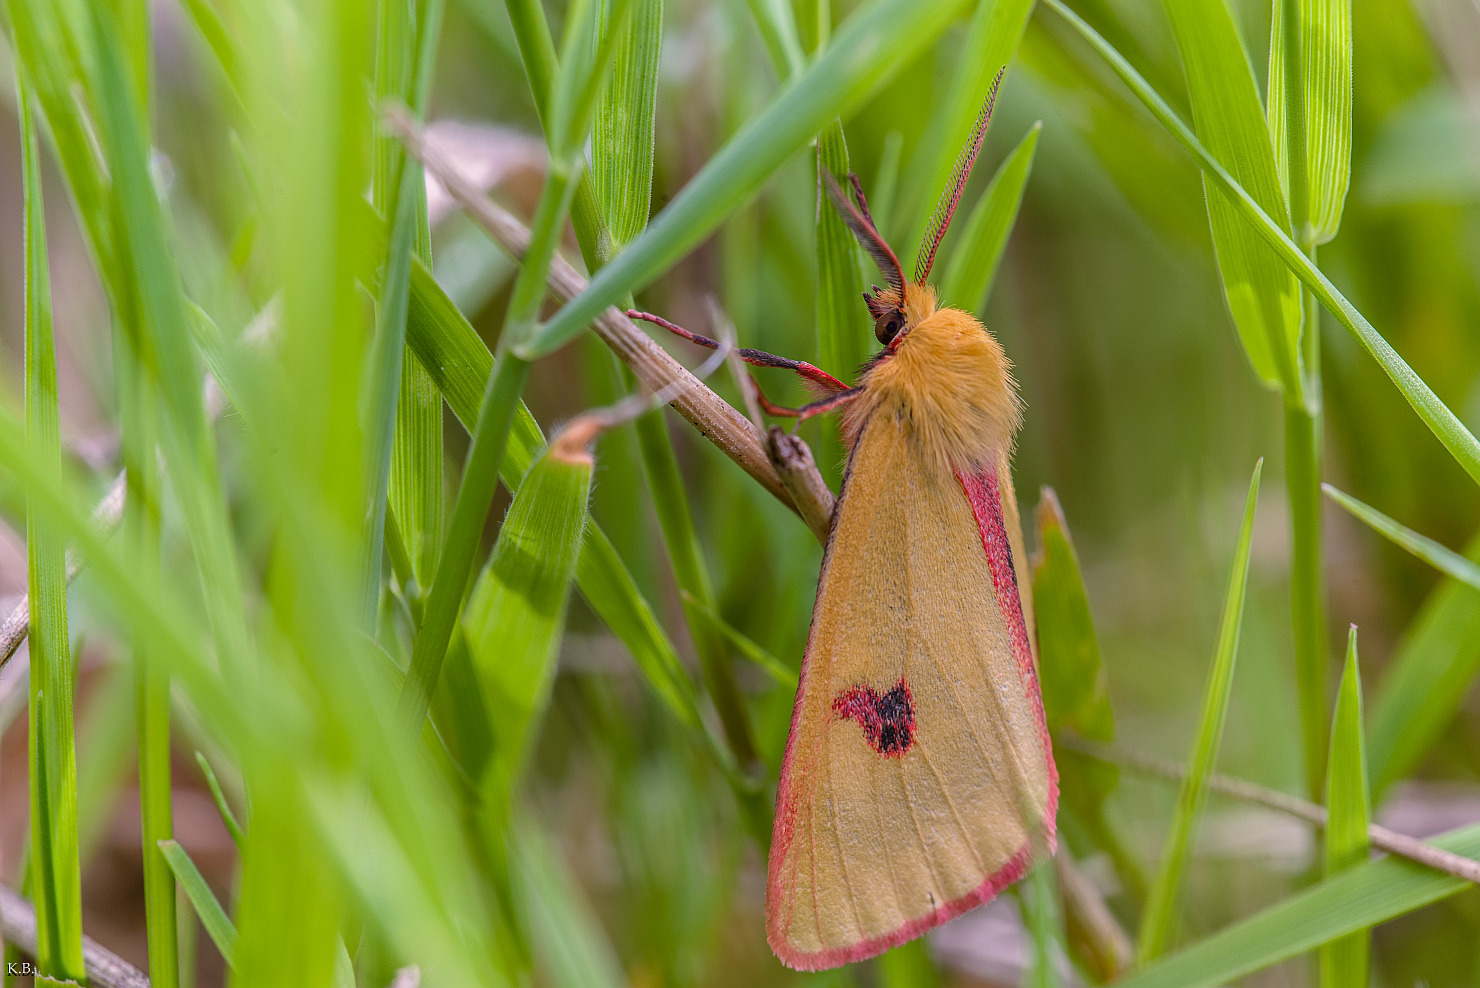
{"x": 948, "y": 380}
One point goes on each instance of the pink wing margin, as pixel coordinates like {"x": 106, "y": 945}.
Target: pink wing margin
{"x": 984, "y": 495}
{"x": 985, "y": 498}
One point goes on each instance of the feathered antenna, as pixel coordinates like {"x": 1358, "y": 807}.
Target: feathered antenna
{"x": 869, "y": 237}
{"x": 940, "y": 220}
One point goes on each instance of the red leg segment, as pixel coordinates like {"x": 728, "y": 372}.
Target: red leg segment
{"x": 758, "y": 358}
{"x": 831, "y": 402}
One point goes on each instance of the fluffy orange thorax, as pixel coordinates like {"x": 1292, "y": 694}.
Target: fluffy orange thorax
{"x": 949, "y": 379}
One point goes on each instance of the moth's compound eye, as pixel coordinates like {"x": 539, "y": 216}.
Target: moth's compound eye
{"x": 887, "y": 327}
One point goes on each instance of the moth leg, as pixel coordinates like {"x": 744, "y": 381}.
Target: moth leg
{"x": 758, "y": 358}
{"x": 833, "y": 401}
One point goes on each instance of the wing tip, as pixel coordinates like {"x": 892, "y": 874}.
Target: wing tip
{"x": 1014, "y": 870}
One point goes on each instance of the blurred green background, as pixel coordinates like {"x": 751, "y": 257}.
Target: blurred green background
{"x": 1141, "y": 412}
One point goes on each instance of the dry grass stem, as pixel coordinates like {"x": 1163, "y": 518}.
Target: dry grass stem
{"x": 1382, "y": 838}
{"x": 105, "y": 969}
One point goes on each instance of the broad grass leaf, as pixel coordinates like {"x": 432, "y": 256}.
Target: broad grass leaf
{"x": 1076, "y": 693}
{"x": 1325, "y": 39}
{"x": 1158, "y": 924}
{"x": 978, "y": 251}
{"x": 1344, "y": 961}
{"x": 622, "y": 139}
{"x": 516, "y": 612}
{"x": 1263, "y": 296}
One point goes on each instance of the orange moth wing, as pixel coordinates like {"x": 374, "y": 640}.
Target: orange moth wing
{"x": 918, "y": 778}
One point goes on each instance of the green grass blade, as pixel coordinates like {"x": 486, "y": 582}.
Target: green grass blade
{"x": 152, "y": 701}
{"x": 228, "y": 817}
{"x": 1158, "y": 925}
{"x": 1075, "y": 688}
{"x": 51, "y": 743}
{"x": 582, "y": 67}
{"x": 1445, "y": 560}
{"x": 444, "y": 340}
{"x": 991, "y": 42}
{"x": 886, "y": 182}
{"x": 1359, "y": 898}
{"x": 382, "y": 397}
{"x": 844, "y": 336}
{"x": 973, "y": 262}
{"x": 1325, "y": 48}
{"x": 665, "y": 486}
{"x": 1427, "y": 681}
{"x": 909, "y": 965}
{"x": 289, "y": 904}
{"x": 865, "y": 52}
{"x": 1442, "y": 422}
{"x": 137, "y": 406}
{"x": 1349, "y": 808}
{"x": 1040, "y": 906}
{"x": 496, "y": 413}
{"x": 1303, "y": 439}
{"x": 416, "y": 452}
{"x": 218, "y": 37}
{"x": 622, "y": 139}
{"x": 613, "y": 594}
{"x": 537, "y": 48}
{"x": 106, "y": 757}
{"x": 46, "y": 38}
{"x": 590, "y": 44}
{"x": 780, "y": 673}
{"x": 1295, "y": 113}
{"x": 212, "y": 916}
{"x": 814, "y": 23}
{"x": 516, "y": 612}
{"x": 406, "y": 59}
{"x": 779, "y": 31}
{"x": 416, "y": 470}
{"x": 572, "y": 948}
{"x": 413, "y": 911}
{"x": 157, "y": 323}
{"x": 691, "y": 574}
{"x": 1076, "y": 693}
{"x": 1262, "y": 294}
{"x": 585, "y": 56}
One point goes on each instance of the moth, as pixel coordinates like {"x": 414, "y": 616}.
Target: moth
{"x": 919, "y": 779}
